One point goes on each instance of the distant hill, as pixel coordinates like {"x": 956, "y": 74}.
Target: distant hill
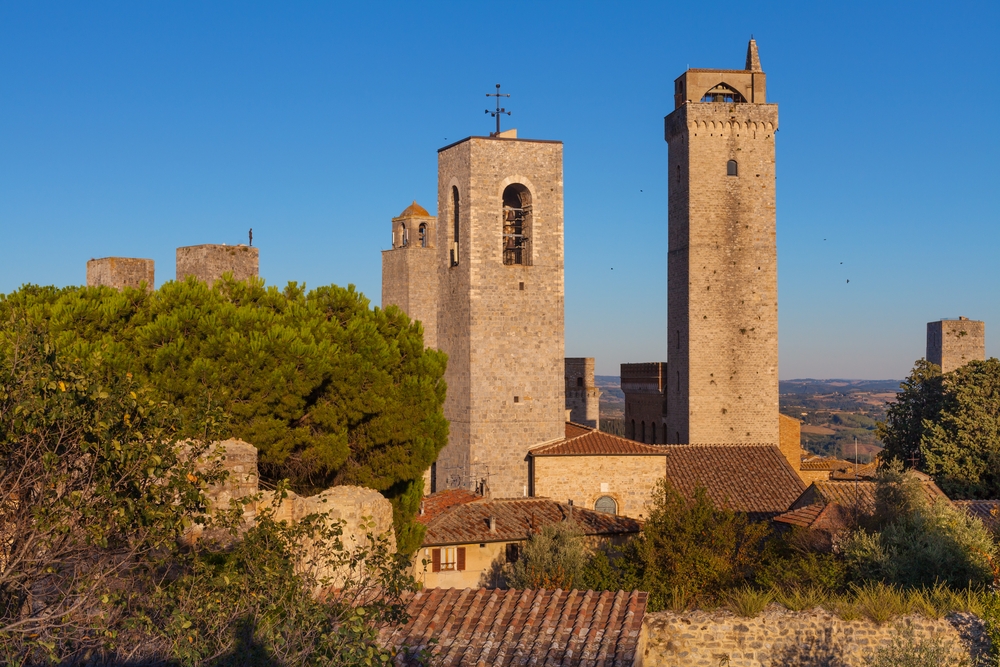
{"x": 833, "y": 412}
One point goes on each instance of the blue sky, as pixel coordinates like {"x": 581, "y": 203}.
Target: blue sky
{"x": 133, "y": 128}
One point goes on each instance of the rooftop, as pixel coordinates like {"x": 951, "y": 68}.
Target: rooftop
{"x": 514, "y": 519}
{"x": 987, "y": 511}
{"x": 509, "y": 627}
{"x": 848, "y": 492}
{"x": 585, "y": 441}
{"x": 414, "y": 210}
{"x": 752, "y": 478}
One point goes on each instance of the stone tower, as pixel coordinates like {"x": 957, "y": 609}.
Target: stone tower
{"x": 209, "y": 262}
{"x": 410, "y": 271}
{"x": 722, "y": 309}
{"x": 500, "y": 307}
{"x": 954, "y": 343}
{"x": 583, "y": 398}
{"x": 645, "y": 401}
{"x": 120, "y": 272}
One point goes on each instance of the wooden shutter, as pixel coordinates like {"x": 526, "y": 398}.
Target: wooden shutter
{"x": 461, "y": 559}
{"x": 435, "y": 560}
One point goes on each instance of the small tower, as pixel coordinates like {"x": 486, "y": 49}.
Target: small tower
{"x": 583, "y": 398}
{"x": 120, "y": 272}
{"x": 209, "y": 262}
{"x": 500, "y": 307}
{"x": 722, "y": 284}
{"x": 954, "y": 343}
{"x": 644, "y": 387}
{"x": 409, "y": 269}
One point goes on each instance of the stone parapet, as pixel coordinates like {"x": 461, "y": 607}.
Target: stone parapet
{"x": 781, "y": 637}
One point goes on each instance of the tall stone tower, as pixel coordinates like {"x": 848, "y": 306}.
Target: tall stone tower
{"x": 410, "y": 269}
{"x": 500, "y": 307}
{"x": 954, "y": 343}
{"x": 209, "y": 262}
{"x": 644, "y": 386}
{"x": 583, "y": 398}
{"x": 722, "y": 300}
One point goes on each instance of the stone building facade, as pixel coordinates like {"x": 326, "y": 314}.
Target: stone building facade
{"x": 954, "y": 343}
{"x": 500, "y": 307}
{"x": 644, "y": 386}
{"x": 583, "y": 398}
{"x": 209, "y": 262}
{"x": 410, "y": 269}
{"x": 722, "y": 312}
{"x": 121, "y": 272}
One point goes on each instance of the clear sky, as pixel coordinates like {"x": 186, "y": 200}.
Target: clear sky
{"x": 133, "y": 128}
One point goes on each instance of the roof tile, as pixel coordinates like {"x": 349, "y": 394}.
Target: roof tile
{"x": 498, "y": 627}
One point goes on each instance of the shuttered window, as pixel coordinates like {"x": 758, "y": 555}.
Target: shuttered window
{"x": 449, "y": 558}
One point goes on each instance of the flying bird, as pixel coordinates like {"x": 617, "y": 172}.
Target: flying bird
{"x": 848, "y": 280}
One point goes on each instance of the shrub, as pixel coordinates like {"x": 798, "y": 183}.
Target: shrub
{"x": 908, "y": 651}
{"x": 748, "y": 601}
{"x": 551, "y": 558}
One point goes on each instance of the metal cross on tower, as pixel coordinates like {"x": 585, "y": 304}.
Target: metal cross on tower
{"x": 500, "y": 110}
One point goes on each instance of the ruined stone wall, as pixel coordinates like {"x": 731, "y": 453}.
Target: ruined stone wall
{"x": 208, "y": 262}
{"x": 953, "y": 343}
{"x": 501, "y": 325}
{"x": 583, "y": 398}
{"x": 120, "y": 272}
{"x": 722, "y": 308}
{"x": 583, "y": 479}
{"x": 778, "y": 637}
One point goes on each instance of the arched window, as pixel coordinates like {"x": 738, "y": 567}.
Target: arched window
{"x": 456, "y": 211}
{"x": 653, "y": 436}
{"x": 643, "y": 431}
{"x": 724, "y": 93}
{"x": 731, "y": 168}
{"x": 516, "y": 241}
{"x": 423, "y": 234}
{"x": 405, "y": 239}
{"x": 606, "y": 504}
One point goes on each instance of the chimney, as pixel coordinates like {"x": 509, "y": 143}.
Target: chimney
{"x": 421, "y": 508}
{"x": 493, "y": 524}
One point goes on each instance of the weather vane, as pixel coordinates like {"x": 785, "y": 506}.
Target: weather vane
{"x": 500, "y": 110}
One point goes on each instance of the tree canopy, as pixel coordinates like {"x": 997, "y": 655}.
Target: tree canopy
{"x": 328, "y": 389}
{"x": 948, "y": 425}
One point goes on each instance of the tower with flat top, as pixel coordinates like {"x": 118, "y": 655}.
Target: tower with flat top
{"x": 722, "y": 299}
{"x": 953, "y": 343}
{"x": 500, "y": 307}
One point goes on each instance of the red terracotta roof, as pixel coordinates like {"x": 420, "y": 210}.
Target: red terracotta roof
{"x": 756, "y": 479}
{"x": 498, "y": 627}
{"x": 802, "y": 517}
{"x": 595, "y": 443}
{"x": 414, "y": 210}
{"x": 516, "y": 519}
{"x": 573, "y": 429}
{"x": 436, "y": 503}
{"x": 848, "y": 492}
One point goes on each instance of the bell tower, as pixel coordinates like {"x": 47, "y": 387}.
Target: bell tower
{"x": 500, "y": 307}
{"x": 409, "y": 269}
{"x": 722, "y": 294}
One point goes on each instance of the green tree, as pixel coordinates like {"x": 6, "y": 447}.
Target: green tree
{"x": 95, "y": 494}
{"x": 951, "y": 424}
{"x": 328, "y": 389}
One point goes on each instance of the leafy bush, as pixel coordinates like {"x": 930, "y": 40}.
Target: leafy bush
{"x": 552, "y": 558}
{"x": 329, "y": 390}
{"x": 94, "y": 496}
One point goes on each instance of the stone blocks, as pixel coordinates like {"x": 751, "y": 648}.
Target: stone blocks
{"x": 629, "y": 480}
{"x": 583, "y": 398}
{"x": 120, "y": 272}
{"x": 209, "y": 262}
{"x": 644, "y": 386}
{"x": 954, "y": 343}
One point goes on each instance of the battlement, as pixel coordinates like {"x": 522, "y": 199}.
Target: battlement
{"x": 121, "y": 272}
{"x": 209, "y": 262}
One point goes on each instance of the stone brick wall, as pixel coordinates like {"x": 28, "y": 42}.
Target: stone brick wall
{"x": 583, "y": 398}
{"x": 779, "y": 637}
{"x": 410, "y": 274}
{"x": 645, "y": 401}
{"x": 208, "y": 262}
{"x": 501, "y": 325}
{"x": 790, "y": 442}
{"x": 722, "y": 308}
{"x": 583, "y": 479}
{"x": 120, "y": 272}
{"x": 953, "y": 343}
